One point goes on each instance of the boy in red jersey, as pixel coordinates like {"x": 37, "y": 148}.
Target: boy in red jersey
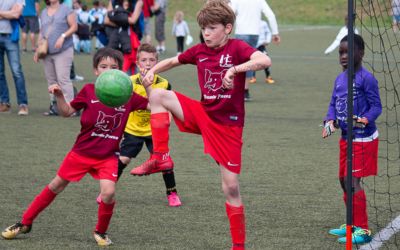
{"x": 219, "y": 115}
{"x": 93, "y": 152}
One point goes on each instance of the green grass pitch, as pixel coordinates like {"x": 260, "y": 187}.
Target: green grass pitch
{"x": 288, "y": 182}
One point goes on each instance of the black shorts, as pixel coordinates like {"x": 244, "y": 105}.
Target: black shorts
{"x": 131, "y": 145}
{"x": 31, "y": 24}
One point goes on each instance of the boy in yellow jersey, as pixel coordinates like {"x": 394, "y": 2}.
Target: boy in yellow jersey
{"x": 138, "y": 131}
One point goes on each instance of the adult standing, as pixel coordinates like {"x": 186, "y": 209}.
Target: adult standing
{"x": 11, "y": 9}
{"x": 148, "y": 8}
{"x": 58, "y": 24}
{"x": 160, "y": 24}
{"x": 30, "y": 14}
{"x": 248, "y": 18}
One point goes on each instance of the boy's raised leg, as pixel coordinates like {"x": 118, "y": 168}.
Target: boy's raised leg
{"x": 160, "y": 159}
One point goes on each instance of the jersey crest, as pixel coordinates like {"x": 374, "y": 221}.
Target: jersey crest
{"x": 108, "y": 123}
{"x": 213, "y": 80}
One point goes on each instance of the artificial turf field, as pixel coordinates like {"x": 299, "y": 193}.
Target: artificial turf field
{"x": 288, "y": 182}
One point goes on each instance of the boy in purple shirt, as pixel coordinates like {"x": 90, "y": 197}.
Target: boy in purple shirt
{"x": 219, "y": 116}
{"x": 94, "y": 151}
{"x": 367, "y": 107}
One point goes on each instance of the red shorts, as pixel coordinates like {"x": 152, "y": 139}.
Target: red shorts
{"x": 223, "y": 143}
{"x": 75, "y": 166}
{"x": 365, "y": 158}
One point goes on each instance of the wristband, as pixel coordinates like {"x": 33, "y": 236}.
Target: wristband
{"x": 63, "y": 35}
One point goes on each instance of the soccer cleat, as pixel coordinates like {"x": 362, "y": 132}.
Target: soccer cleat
{"x": 173, "y": 200}
{"x": 153, "y": 165}
{"x": 269, "y": 80}
{"x": 102, "y": 239}
{"x": 341, "y": 231}
{"x": 253, "y": 80}
{"x": 360, "y": 236}
{"x": 12, "y": 231}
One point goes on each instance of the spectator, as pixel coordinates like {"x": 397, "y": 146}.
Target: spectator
{"x": 11, "y": 9}
{"x": 180, "y": 29}
{"x": 30, "y": 14}
{"x": 160, "y": 25}
{"x": 149, "y": 8}
{"x": 248, "y": 18}
{"x": 58, "y": 61}
{"x": 83, "y": 32}
{"x": 97, "y": 29}
{"x": 77, "y": 7}
{"x": 121, "y": 18}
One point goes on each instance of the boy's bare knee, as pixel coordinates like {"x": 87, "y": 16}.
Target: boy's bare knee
{"x": 231, "y": 190}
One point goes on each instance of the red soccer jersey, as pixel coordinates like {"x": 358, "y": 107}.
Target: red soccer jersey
{"x": 223, "y": 106}
{"x": 102, "y": 126}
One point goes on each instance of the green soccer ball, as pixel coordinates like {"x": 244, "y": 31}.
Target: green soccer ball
{"x": 113, "y": 88}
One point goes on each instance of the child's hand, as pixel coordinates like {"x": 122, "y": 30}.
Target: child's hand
{"x": 329, "y": 129}
{"x": 227, "y": 81}
{"x": 55, "y": 90}
{"x": 360, "y": 122}
{"x": 148, "y": 77}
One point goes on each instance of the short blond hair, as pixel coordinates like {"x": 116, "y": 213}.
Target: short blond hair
{"x": 146, "y": 47}
{"x": 215, "y": 12}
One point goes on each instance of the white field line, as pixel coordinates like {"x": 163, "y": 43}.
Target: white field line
{"x": 384, "y": 235}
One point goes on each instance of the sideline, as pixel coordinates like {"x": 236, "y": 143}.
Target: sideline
{"x": 384, "y": 235}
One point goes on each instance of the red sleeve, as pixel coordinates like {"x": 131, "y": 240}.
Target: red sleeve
{"x": 189, "y": 56}
{"x": 138, "y": 102}
{"x": 80, "y": 101}
{"x": 245, "y": 50}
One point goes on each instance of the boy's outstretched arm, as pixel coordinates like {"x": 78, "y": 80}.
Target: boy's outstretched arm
{"x": 162, "y": 66}
{"x": 64, "y": 107}
{"x": 257, "y": 61}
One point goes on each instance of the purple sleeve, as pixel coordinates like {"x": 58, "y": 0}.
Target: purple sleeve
{"x": 331, "y": 114}
{"x": 373, "y": 98}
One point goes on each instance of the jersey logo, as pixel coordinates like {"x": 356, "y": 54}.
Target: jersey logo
{"x": 203, "y": 59}
{"x": 225, "y": 61}
{"x": 213, "y": 80}
{"x": 341, "y": 105}
{"x": 108, "y": 123}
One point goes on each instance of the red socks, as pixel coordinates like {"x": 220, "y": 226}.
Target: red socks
{"x": 160, "y": 132}
{"x": 104, "y": 215}
{"x": 237, "y": 225}
{"x": 40, "y": 202}
{"x": 360, "y": 216}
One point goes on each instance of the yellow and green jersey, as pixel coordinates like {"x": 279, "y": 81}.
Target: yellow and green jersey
{"x": 139, "y": 120}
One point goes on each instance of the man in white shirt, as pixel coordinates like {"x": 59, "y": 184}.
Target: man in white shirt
{"x": 248, "y": 18}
